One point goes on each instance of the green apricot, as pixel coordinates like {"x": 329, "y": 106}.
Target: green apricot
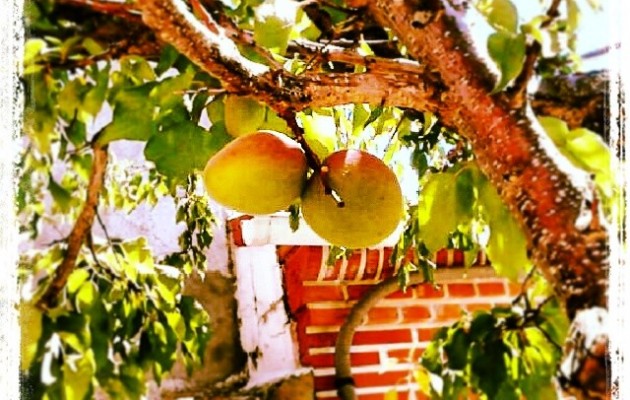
{"x": 371, "y": 195}
{"x": 243, "y": 115}
{"x": 259, "y": 173}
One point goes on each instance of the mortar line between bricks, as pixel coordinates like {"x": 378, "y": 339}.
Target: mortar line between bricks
{"x": 428, "y": 324}
{"x": 403, "y": 387}
{"x": 370, "y": 348}
{"x": 410, "y": 302}
{"x": 366, "y": 369}
{"x": 323, "y": 265}
{"x": 362, "y": 264}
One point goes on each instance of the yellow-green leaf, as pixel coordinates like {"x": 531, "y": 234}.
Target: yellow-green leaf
{"x": 30, "y": 329}
{"x": 500, "y": 14}
{"x": 507, "y": 50}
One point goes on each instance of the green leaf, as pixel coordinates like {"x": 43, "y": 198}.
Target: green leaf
{"x": 320, "y": 133}
{"x": 78, "y": 371}
{"x": 183, "y": 148}
{"x": 132, "y": 115}
{"x": 374, "y": 114}
{"x": 96, "y": 96}
{"x": 71, "y": 97}
{"x": 465, "y": 195}
{"x": 507, "y": 245}
{"x": 92, "y": 46}
{"x": 482, "y": 325}
{"x": 500, "y": 14}
{"x": 507, "y": 50}
{"x": 488, "y": 366}
{"x": 76, "y": 279}
{"x": 557, "y": 129}
{"x": 360, "y": 115}
{"x": 273, "y": 24}
{"x": 86, "y": 296}
{"x": 274, "y": 122}
{"x": 167, "y": 58}
{"x": 170, "y": 91}
{"x": 31, "y": 330}
{"x": 216, "y": 109}
{"x": 423, "y": 380}
{"x": 456, "y": 348}
{"x": 61, "y": 196}
{"x": 573, "y": 16}
{"x": 589, "y": 150}
{"x": 243, "y": 115}
{"x": 137, "y": 68}
{"x": 32, "y": 48}
{"x": 431, "y": 357}
{"x": 438, "y": 210}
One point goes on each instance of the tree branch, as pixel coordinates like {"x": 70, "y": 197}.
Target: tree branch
{"x": 555, "y": 202}
{"x": 550, "y": 197}
{"x": 210, "y": 46}
{"x": 79, "y": 232}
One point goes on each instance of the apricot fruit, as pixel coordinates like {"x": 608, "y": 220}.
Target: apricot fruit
{"x": 371, "y": 195}
{"x": 259, "y": 173}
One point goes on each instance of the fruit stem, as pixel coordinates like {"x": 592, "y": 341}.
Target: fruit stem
{"x": 312, "y": 159}
{"x": 323, "y": 174}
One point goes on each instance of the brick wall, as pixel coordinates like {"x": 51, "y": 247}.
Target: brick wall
{"x": 396, "y": 331}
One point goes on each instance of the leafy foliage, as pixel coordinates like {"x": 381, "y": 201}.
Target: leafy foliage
{"x": 122, "y": 314}
{"x": 504, "y": 353}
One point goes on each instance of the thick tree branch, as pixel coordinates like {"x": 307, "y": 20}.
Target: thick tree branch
{"x": 79, "y": 232}
{"x": 210, "y": 46}
{"x": 554, "y": 201}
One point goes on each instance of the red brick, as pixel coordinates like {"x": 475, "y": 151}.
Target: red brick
{"x": 352, "y": 268}
{"x": 461, "y": 290}
{"x": 315, "y": 340}
{"x": 448, "y": 311}
{"x": 328, "y": 360}
{"x": 382, "y": 315}
{"x": 363, "y": 380}
{"x": 399, "y": 294}
{"x": 304, "y": 262}
{"x": 328, "y": 339}
{"x": 384, "y": 336}
{"x": 415, "y": 313}
{"x": 491, "y": 288}
{"x": 328, "y": 317}
{"x": 426, "y": 334}
{"x": 371, "y": 264}
{"x": 427, "y": 290}
{"x": 355, "y": 292}
{"x": 410, "y": 355}
{"x": 322, "y": 293}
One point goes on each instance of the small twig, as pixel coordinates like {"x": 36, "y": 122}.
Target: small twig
{"x": 79, "y": 232}
{"x": 518, "y": 92}
{"x": 549, "y": 338}
{"x": 312, "y": 159}
{"x": 523, "y": 292}
{"x": 90, "y": 243}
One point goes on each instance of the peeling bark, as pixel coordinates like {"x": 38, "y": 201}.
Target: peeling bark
{"x": 555, "y": 201}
